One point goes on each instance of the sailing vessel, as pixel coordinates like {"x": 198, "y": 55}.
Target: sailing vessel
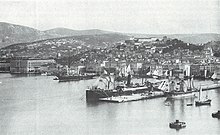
{"x": 178, "y": 89}
{"x": 123, "y": 73}
{"x": 202, "y": 102}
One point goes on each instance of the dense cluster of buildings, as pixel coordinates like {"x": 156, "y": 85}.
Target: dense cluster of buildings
{"x": 138, "y": 53}
{"x": 148, "y": 53}
{"x": 23, "y": 65}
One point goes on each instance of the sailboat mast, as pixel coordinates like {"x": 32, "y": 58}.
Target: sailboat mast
{"x": 192, "y": 82}
{"x": 142, "y": 78}
{"x": 200, "y": 93}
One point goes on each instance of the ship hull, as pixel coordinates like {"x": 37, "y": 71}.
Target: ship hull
{"x": 200, "y": 103}
{"x": 96, "y": 94}
{"x": 74, "y": 78}
{"x": 216, "y": 115}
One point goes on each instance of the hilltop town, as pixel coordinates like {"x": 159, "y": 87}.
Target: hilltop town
{"x": 93, "y": 53}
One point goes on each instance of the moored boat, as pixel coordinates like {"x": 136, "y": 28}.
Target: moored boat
{"x": 201, "y": 102}
{"x": 216, "y": 114}
{"x": 74, "y": 77}
{"x": 177, "y": 124}
{"x": 129, "y": 89}
{"x": 189, "y": 104}
{"x": 205, "y": 102}
{"x": 176, "y": 89}
{"x": 44, "y": 74}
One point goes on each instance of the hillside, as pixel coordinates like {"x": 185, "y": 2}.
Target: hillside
{"x": 12, "y": 34}
{"x": 74, "y": 44}
{"x": 60, "y": 32}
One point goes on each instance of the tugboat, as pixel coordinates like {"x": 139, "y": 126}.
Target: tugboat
{"x": 177, "y": 124}
{"x": 202, "y": 102}
{"x": 216, "y": 115}
{"x": 178, "y": 90}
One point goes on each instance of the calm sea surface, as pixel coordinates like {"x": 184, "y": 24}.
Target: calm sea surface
{"x": 39, "y": 105}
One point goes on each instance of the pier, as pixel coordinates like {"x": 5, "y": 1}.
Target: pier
{"x": 133, "y": 97}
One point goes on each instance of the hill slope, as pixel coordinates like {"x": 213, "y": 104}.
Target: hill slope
{"x": 50, "y": 47}
{"x": 60, "y": 32}
{"x": 11, "y": 33}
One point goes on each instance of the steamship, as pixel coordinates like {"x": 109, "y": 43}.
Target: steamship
{"x": 95, "y": 93}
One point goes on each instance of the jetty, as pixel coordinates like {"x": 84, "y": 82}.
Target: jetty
{"x": 210, "y": 86}
{"x": 133, "y": 97}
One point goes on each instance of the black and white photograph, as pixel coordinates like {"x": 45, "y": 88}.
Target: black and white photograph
{"x": 109, "y": 67}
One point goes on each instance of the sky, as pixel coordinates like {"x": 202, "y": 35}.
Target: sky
{"x": 129, "y": 16}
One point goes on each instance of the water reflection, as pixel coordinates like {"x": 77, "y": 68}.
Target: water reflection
{"x": 40, "y": 105}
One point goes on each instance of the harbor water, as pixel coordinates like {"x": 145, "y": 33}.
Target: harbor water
{"x": 39, "y": 105}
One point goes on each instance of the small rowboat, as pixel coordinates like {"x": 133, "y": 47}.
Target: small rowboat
{"x": 177, "y": 124}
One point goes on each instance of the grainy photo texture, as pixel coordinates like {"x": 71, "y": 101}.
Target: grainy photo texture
{"x": 109, "y": 67}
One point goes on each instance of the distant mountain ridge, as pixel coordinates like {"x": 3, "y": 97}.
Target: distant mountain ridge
{"x": 13, "y": 34}
{"x": 198, "y": 38}
{"x": 188, "y": 38}
{"x": 69, "y": 32}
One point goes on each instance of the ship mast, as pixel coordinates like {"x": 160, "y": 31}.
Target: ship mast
{"x": 200, "y": 93}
